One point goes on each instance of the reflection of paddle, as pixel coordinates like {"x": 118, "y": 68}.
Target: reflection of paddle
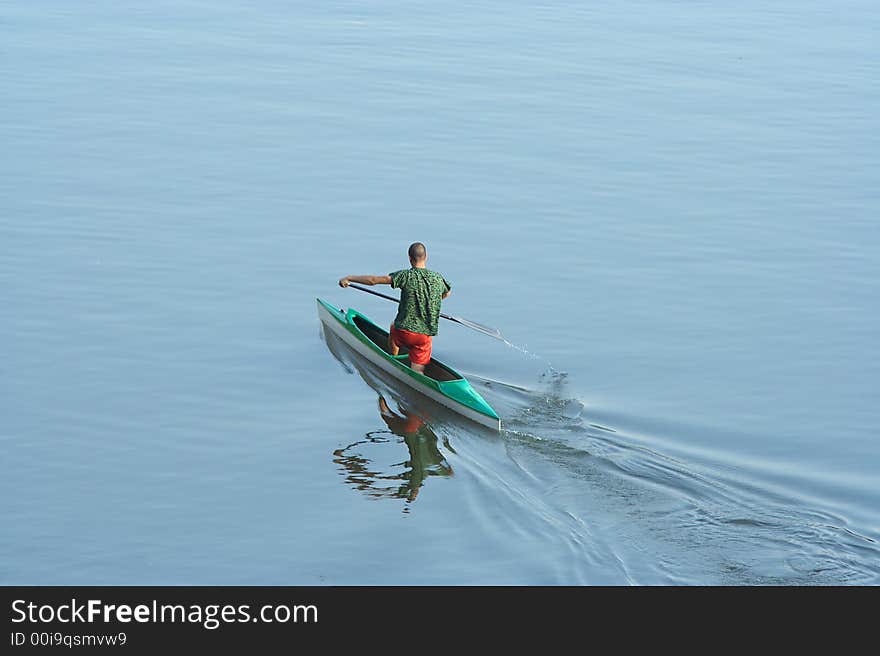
{"x": 486, "y": 330}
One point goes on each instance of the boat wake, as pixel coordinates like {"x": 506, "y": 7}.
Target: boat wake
{"x": 600, "y": 497}
{"x": 705, "y": 520}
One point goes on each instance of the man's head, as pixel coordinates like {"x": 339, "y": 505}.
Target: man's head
{"x": 417, "y": 253}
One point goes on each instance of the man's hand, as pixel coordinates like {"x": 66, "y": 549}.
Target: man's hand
{"x": 343, "y": 282}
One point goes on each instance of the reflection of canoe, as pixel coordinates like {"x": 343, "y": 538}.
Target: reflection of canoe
{"x": 440, "y": 382}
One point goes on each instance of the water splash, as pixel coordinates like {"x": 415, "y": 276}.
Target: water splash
{"x": 554, "y": 375}
{"x": 525, "y": 351}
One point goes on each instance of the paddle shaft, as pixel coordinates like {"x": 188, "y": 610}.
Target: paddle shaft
{"x": 370, "y": 291}
{"x": 492, "y": 332}
{"x": 391, "y": 298}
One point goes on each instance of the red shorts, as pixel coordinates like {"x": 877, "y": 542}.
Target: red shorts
{"x": 419, "y": 345}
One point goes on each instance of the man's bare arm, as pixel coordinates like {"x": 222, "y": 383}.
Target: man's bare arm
{"x": 365, "y": 280}
{"x": 445, "y": 294}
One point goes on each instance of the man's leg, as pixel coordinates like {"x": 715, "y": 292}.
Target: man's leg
{"x": 423, "y": 352}
{"x": 393, "y": 348}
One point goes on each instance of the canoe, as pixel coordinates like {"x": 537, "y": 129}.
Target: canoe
{"x": 440, "y": 382}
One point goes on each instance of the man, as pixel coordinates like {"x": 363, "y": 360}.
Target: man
{"x": 421, "y": 292}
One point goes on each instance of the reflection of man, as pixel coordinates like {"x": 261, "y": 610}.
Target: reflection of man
{"x": 425, "y": 458}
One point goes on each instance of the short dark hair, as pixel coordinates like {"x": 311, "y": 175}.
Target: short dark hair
{"x": 417, "y": 251}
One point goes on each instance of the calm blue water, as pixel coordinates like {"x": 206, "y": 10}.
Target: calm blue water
{"x": 671, "y": 206}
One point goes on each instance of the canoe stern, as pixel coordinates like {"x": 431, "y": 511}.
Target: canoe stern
{"x": 461, "y": 391}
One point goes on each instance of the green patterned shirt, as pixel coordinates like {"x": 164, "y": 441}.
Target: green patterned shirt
{"x": 421, "y": 291}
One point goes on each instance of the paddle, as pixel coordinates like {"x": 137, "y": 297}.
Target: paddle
{"x": 486, "y": 330}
